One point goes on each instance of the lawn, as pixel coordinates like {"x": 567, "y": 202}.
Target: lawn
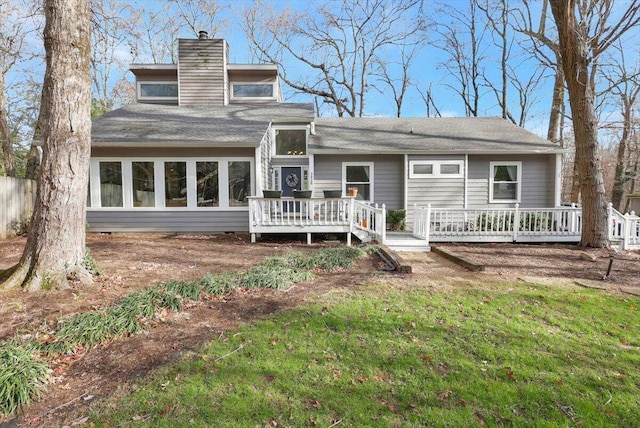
{"x": 388, "y": 355}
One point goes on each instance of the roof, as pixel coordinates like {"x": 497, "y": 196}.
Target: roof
{"x": 155, "y": 125}
{"x": 464, "y": 135}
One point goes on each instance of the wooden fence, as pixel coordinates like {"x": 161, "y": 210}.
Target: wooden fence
{"x": 17, "y": 199}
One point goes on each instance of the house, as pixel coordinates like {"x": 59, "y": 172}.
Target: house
{"x": 206, "y": 137}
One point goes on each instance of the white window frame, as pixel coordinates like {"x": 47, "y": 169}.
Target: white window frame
{"x": 271, "y": 98}
{"x": 518, "y": 165}
{"x": 156, "y": 82}
{"x": 276, "y": 128}
{"x": 192, "y": 203}
{"x": 436, "y": 168}
{"x": 371, "y": 177}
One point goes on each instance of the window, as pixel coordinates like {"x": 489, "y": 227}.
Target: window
{"x": 432, "y": 169}
{"x": 175, "y": 184}
{"x": 358, "y": 175}
{"x": 252, "y": 90}
{"x": 111, "y": 184}
{"x": 171, "y": 184}
{"x": 207, "y": 184}
{"x": 239, "y": 183}
{"x": 450, "y": 169}
{"x": 505, "y": 179}
{"x": 291, "y": 142}
{"x": 143, "y": 181}
{"x": 158, "y": 90}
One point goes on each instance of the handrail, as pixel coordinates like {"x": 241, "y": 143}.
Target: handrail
{"x": 624, "y": 227}
{"x": 370, "y": 218}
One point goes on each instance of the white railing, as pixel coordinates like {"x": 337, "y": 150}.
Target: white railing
{"x": 316, "y": 215}
{"x": 624, "y": 228}
{"x": 498, "y": 225}
{"x": 371, "y": 219}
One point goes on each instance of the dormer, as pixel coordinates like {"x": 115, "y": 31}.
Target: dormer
{"x": 203, "y": 76}
{"x": 156, "y": 83}
{"x": 253, "y": 83}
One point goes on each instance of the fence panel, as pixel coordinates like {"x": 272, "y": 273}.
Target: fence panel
{"x": 17, "y": 199}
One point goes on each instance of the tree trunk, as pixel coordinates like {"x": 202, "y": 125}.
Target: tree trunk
{"x": 55, "y": 246}
{"x": 557, "y": 102}
{"x": 5, "y": 133}
{"x": 574, "y": 48}
{"x": 619, "y": 179}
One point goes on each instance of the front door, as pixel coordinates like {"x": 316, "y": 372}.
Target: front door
{"x": 291, "y": 179}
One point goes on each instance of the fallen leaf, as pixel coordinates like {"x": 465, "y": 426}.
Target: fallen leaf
{"x": 444, "y": 394}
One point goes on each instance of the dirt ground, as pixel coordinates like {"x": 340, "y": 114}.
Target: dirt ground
{"x": 134, "y": 261}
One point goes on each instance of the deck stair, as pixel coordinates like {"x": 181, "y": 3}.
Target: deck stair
{"x": 405, "y": 241}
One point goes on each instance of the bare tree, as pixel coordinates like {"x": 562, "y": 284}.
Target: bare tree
{"x": 332, "y": 52}
{"x": 200, "y": 15}
{"x": 395, "y": 76}
{"x": 625, "y": 86}
{"x": 584, "y": 34}
{"x": 429, "y": 102}
{"x": 55, "y": 247}
{"x": 460, "y": 39}
{"x": 13, "y": 33}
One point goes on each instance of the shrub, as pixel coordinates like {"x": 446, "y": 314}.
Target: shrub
{"x": 90, "y": 264}
{"x": 396, "y": 219}
{"x": 23, "y": 376}
{"x": 220, "y": 284}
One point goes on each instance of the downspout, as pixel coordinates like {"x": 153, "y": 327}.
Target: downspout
{"x": 466, "y": 181}
{"x": 558, "y": 185}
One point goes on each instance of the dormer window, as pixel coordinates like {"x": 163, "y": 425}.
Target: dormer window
{"x": 161, "y": 91}
{"x": 252, "y": 91}
{"x": 291, "y": 142}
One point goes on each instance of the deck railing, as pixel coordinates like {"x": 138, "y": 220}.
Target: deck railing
{"x": 300, "y": 215}
{"x": 624, "y": 228}
{"x": 371, "y": 219}
{"x": 316, "y": 215}
{"x": 561, "y": 224}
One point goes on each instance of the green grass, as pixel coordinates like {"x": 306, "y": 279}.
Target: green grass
{"x": 509, "y": 356}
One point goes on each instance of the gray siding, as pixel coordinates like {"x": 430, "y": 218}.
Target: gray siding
{"x": 388, "y": 178}
{"x": 537, "y": 187}
{"x": 168, "y": 221}
{"x": 440, "y": 192}
{"x": 202, "y": 72}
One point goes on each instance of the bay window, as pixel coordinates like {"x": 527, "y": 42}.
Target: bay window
{"x": 111, "y": 184}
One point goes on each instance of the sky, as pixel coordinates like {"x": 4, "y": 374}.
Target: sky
{"x": 427, "y": 69}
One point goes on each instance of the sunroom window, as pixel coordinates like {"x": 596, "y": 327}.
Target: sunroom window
{"x": 291, "y": 142}
{"x": 175, "y": 184}
{"x": 505, "y": 181}
{"x": 111, "y": 184}
{"x": 207, "y": 184}
{"x": 143, "y": 181}
{"x": 239, "y": 183}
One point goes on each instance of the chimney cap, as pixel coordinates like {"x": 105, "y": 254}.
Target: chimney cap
{"x": 203, "y": 35}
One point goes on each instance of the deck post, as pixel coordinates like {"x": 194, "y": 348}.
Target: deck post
{"x": 612, "y": 226}
{"x": 308, "y": 238}
{"x": 383, "y": 226}
{"x": 516, "y": 223}
{"x": 253, "y": 238}
{"x": 427, "y": 228}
